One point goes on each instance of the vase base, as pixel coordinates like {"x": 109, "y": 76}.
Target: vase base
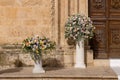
{"x": 80, "y": 66}
{"x": 38, "y": 70}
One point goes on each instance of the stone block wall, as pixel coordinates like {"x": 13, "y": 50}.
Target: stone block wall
{"x": 13, "y": 56}
{"x": 20, "y": 19}
{"x": 23, "y": 18}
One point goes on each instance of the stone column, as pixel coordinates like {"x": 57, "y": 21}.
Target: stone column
{"x": 64, "y": 9}
{"x": 83, "y": 7}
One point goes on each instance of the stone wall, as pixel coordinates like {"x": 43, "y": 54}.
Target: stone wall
{"x": 13, "y": 56}
{"x": 23, "y": 18}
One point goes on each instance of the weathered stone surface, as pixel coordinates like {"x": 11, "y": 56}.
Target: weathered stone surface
{"x": 25, "y": 58}
{"x": 32, "y": 2}
{"x": 18, "y": 22}
{"x": 7, "y": 2}
{"x": 91, "y": 73}
{"x": 100, "y": 62}
{"x": 89, "y": 58}
{"x": 69, "y": 57}
{"x": 22, "y": 18}
{"x": 13, "y": 56}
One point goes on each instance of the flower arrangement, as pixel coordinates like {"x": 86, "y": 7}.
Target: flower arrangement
{"x": 36, "y": 45}
{"x": 79, "y": 27}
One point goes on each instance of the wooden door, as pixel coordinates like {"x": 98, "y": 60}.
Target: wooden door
{"x": 106, "y": 18}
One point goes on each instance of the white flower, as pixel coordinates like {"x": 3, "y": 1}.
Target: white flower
{"x": 79, "y": 25}
{"x": 87, "y": 32}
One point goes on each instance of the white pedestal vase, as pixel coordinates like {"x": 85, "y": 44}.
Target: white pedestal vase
{"x": 38, "y": 67}
{"x": 79, "y": 57}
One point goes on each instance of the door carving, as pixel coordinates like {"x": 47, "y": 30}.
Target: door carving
{"x": 115, "y": 4}
{"x": 106, "y": 17}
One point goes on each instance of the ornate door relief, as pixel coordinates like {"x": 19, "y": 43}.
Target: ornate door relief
{"x": 98, "y": 4}
{"x": 115, "y": 4}
{"x": 106, "y": 17}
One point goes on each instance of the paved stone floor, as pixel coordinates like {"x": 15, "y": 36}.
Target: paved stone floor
{"x": 89, "y": 73}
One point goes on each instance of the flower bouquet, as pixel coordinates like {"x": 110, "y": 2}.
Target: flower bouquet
{"x": 37, "y": 46}
{"x": 79, "y": 27}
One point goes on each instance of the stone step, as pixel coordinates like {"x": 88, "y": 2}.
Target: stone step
{"x": 91, "y": 73}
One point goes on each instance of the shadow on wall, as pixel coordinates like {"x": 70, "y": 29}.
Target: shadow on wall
{"x": 71, "y": 41}
{"x": 94, "y": 45}
{"x": 51, "y": 62}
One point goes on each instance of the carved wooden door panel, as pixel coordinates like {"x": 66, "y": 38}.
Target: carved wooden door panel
{"x": 106, "y": 17}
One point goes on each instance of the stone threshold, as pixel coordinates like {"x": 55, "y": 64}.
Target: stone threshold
{"x": 115, "y": 65}
{"x": 89, "y": 73}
